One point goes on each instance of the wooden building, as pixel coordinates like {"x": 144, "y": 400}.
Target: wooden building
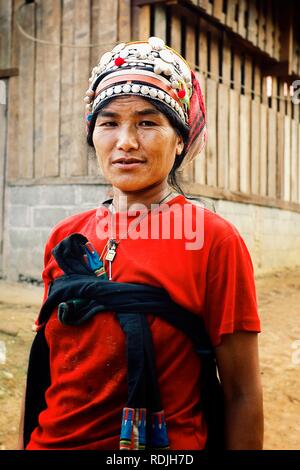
{"x": 247, "y": 56}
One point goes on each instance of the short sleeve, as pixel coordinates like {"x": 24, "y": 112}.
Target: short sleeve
{"x": 231, "y": 302}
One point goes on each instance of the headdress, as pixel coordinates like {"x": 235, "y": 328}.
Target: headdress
{"x": 155, "y": 71}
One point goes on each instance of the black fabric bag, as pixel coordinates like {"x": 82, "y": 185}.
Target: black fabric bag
{"x": 38, "y": 380}
{"x": 92, "y": 296}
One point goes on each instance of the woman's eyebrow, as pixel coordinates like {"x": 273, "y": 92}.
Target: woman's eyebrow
{"x": 143, "y": 112}
{"x": 107, "y": 114}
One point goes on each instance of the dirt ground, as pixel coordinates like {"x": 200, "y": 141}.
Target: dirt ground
{"x": 279, "y": 305}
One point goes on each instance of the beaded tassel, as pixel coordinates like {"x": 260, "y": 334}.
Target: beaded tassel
{"x": 133, "y": 429}
{"x": 159, "y": 437}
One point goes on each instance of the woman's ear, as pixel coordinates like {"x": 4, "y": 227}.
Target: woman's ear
{"x": 179, "y": 145}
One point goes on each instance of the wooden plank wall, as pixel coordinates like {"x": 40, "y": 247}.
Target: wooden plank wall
{"x": 5, "y": 33}
{"x": 256, "y": 21}
{"x": 46, "y": 128}
{"x": 253, "y": 140}
{"x": 3, "y": 126}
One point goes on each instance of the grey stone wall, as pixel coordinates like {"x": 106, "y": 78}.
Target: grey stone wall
{"x": 31, "y": 212}
{"x": 272, "y": 235}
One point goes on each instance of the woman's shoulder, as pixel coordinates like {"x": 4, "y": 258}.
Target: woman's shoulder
{"x": 215, "y": 225}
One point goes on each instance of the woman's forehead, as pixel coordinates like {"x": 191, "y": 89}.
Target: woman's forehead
{"x": 130, "y": 104}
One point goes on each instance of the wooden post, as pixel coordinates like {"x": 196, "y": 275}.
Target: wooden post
{"x": 13, "y": 97}
{"x": 252, "y": 31}
{"x": 277, "y": 31}
{"x": 234, "y": 140}
{"x": 255, "y": 133}
{"x": 106, "y": 30}
{"x": 188, "y": 172}
{"x": 39, "y": 95}
{"x": 3, "y": 126}
{"x": 232, "y": 6}
{"x": 272, "y": 144}
{"x": 200, "y": 163}
{"x": 294, "y": 160}
{"x": 202, "y": 41}
{"x": 298, "y": 200}
{"x": 160, "y": 21}
{"x": 175, "y": 36}
{"x": 95, "y": 55}
{"x": 241, "y": 18}
{"x": 245, "y": 106}
{"x": 269, "y": 29}
{"x": 286, "y": 21}
{"x": 287, "y": 158}
{"x": 67, "y": 86}
{"x": 218, "y": 10}
{"x": 237, "y": 72}
{"x": 211, "y": 110}
{"x": 144, "y": 22}
{"x": 263, "y": 150}
{"x": 50, "y": 129}
{"x": 79, "y": 163}
{"x": 26, "y": 82}
{"x": 280, "y": 145}
{"x": 190, "y": 45}
{"x": 234, "y": 126}
{"x": 295, "y": 156}
{"x": 262, "y": 27}
{"x": 5, "y": 33}
{"x": 214, "y": 54}
{"x": 203, "y": 4}
{"x": 124, "y": 21}
{"x": 223, "y": 118}
{"x": 212, "y": 96}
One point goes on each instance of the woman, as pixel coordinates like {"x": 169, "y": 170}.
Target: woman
{"x": 145, "y": 118}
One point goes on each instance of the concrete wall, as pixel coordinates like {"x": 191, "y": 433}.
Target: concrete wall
{"x": 272, "y": 235}
{"x": 31, "y": 212}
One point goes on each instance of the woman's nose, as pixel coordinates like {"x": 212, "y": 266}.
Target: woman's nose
{"x": 127, "y": 139}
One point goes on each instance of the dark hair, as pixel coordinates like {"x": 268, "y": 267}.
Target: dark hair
{"x": 179, "y": 127}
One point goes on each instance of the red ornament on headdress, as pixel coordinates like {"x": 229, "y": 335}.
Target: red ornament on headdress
{"x": 119, "y": 61}
{"x": 181, "y": 94}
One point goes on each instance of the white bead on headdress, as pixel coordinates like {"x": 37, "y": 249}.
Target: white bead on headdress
{"x": 151, "y": 70}
{"x": 156, "y": 59}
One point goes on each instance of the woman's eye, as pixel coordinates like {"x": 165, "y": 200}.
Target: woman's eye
{"x": 147, "y": 123}
{"x": 108, "y": 124}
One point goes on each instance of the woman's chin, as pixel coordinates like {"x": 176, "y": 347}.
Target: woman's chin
{"x": 130, "y": 184}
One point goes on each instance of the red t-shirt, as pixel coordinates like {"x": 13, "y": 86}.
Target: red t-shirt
{"x": 88, "y": 363}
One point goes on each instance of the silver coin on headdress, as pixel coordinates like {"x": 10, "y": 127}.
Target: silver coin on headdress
{"x": 166, "y": 55}
{"x": 143, "y": 49}
{"x": 156, "y": 43}
{"x": 105, "y": 59}
{"x": 118, "y": 48}
{"x": 185, "y": 70}
{"x": 124, "y": 53}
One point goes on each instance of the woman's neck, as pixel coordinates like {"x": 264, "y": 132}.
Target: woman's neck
{"x": 122, "y": 201}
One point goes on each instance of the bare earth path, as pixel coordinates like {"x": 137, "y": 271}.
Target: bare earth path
{"x": 279, "y": 305}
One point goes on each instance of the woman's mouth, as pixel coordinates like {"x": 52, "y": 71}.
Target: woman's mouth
{"x": 127, "y": 163}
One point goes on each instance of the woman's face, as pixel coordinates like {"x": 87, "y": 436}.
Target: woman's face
{"x": 135, "y": 144}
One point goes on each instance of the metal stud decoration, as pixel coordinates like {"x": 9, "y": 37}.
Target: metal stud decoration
{"x": 156, "y": 60}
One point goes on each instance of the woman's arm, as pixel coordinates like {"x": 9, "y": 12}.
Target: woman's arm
{"x": 238, "y": 364}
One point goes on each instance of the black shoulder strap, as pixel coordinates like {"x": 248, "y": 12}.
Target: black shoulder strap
{"x": 38, "y": 380}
